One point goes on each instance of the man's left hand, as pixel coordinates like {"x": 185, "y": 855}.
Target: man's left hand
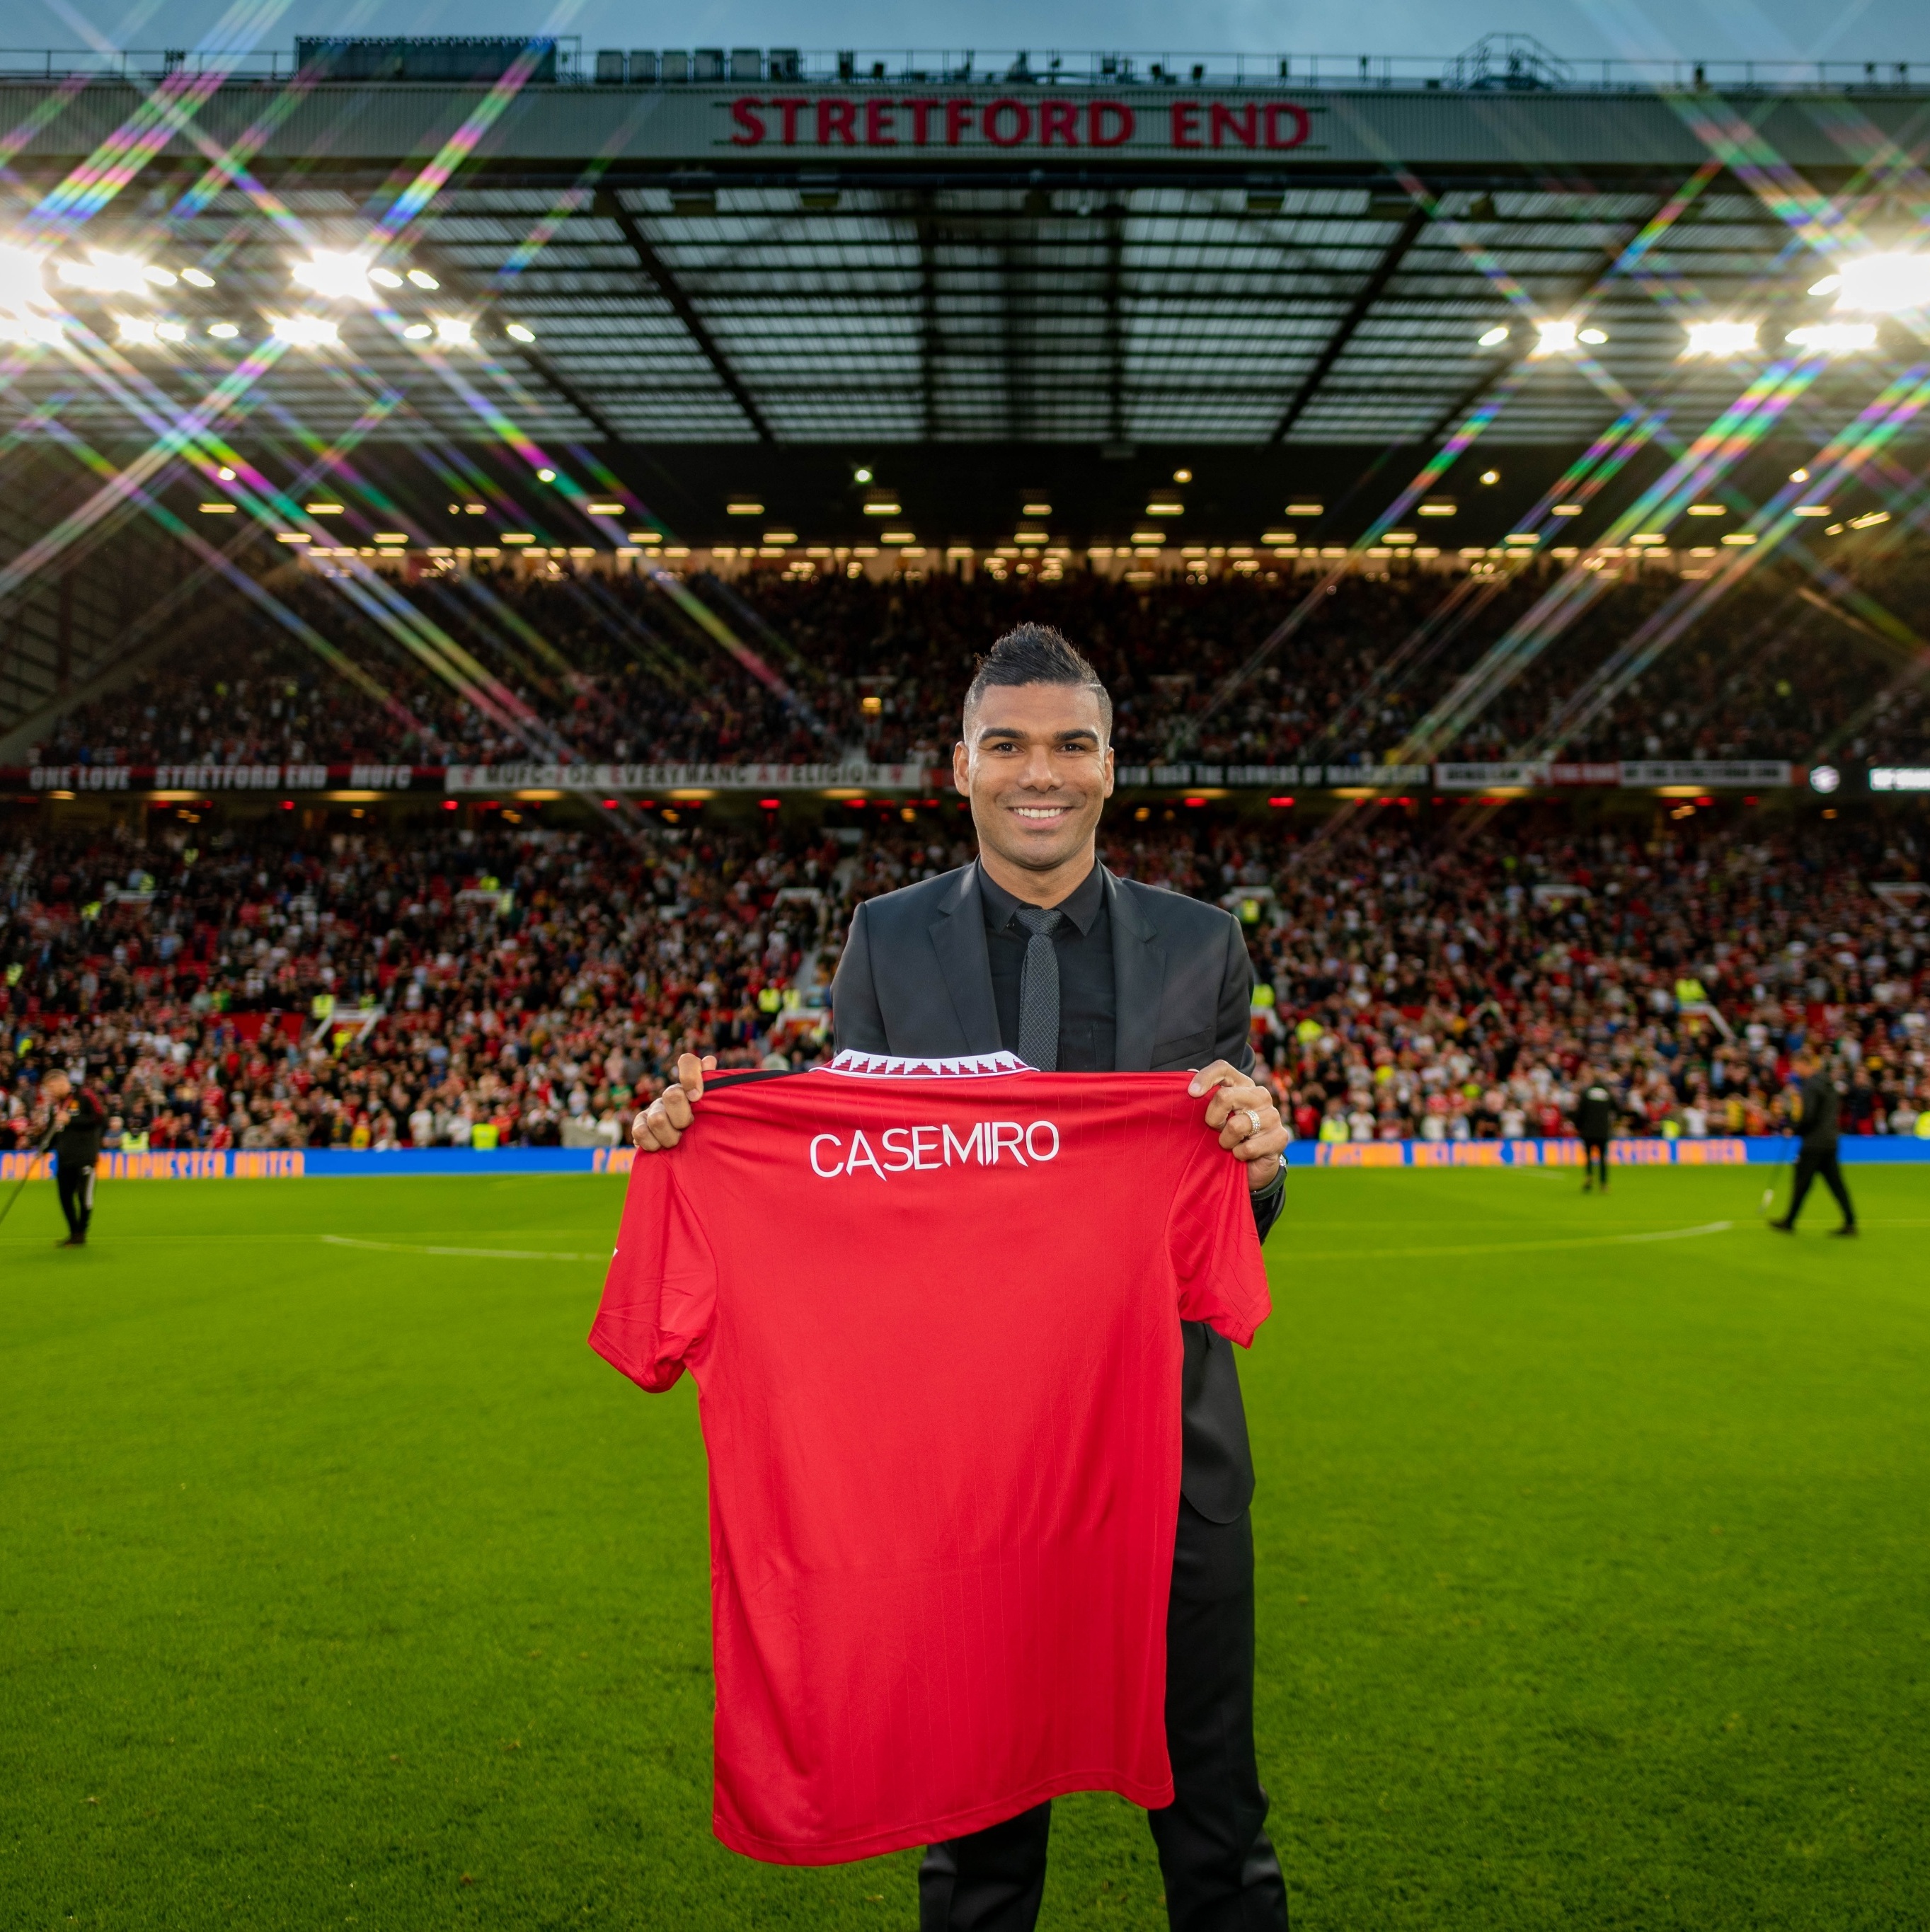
{"x": 1249, "y": 1123}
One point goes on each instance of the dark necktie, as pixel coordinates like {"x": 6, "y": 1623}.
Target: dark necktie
{"x": 1039, "y": 991}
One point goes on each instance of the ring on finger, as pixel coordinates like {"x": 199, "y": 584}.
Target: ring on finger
{"x": 1252, "y": 1122}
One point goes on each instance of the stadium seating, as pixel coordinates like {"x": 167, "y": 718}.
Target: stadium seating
{"x": 1430, "y": 979}
{"x": 615, "y": 668}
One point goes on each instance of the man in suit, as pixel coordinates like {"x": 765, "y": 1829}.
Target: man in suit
{"x": 1036, "y": 948}
{"x": 1818, "y": 1112}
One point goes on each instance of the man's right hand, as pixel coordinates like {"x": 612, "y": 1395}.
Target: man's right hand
{"x": 666, "y": 1119}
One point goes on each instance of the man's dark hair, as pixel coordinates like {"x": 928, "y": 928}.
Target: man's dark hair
{"x": 1037, "y": 654}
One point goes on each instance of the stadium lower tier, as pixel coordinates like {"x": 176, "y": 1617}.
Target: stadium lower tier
{"x": 1442, "y": 982}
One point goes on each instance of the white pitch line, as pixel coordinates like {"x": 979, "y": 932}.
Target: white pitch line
{"x": 466, "y": 1254}
{"x": 1516, "y": 1247}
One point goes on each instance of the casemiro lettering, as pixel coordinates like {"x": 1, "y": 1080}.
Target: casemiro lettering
{"x": 922, "y": 1150}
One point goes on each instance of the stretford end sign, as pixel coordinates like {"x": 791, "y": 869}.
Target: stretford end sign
{"x": 833, "y": 123}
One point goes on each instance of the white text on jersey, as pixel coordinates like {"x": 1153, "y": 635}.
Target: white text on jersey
{"x": 918, "y": 1150}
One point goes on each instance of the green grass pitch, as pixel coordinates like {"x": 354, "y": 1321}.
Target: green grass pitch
{"x": 341, "y": 1585}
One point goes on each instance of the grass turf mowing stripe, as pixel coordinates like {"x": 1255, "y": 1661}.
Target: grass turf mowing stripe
{"x": 470, "y": 1254}
{"x": 1592, "y": 1581}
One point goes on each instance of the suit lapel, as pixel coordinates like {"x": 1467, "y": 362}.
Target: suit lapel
{"x": 1139, "y": 978}
{"x": 958, "y": 937}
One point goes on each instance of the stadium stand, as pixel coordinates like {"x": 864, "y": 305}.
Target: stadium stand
{"x": 609, "y": 667}
{"x": 1419, "y": 978}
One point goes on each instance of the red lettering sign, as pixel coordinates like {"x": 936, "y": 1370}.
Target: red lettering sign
{"x": 1296, "y": 116}
{"x": 1021, "y": 123}
{"x": 835, "y": 117}
{"x": 1059, "y": 119}
{"x": 1007, "y": 122}
{"x": 1221, "y": 121}
{"x": 744, "y": 114}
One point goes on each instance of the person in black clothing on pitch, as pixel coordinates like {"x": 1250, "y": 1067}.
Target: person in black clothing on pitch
{"x": 1818, "y": 1114}
{"x": 1595, "y": 1121}
{"x": 76, "y": 1147}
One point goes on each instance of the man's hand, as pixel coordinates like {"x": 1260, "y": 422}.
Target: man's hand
{"x": 666, "y": 1119}
{"x": 1250, "y": 1125}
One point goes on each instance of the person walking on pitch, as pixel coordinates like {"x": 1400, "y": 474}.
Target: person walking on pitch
{"x": 1595, "y": 1121}
{"x": 1818, "y": 1112}
{"x": 77, "y": 1146}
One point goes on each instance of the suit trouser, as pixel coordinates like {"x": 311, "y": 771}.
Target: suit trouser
{"x": 1595, "y": 1159}
{"x": 1808, "y": 1167}
{"x": 76, "y": 1183}
{"x": 1220, "y": 1870}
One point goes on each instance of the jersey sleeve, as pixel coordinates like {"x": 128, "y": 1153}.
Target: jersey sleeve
{"x": 1215, "y": 1252}
{"x": 660, "y": 1296}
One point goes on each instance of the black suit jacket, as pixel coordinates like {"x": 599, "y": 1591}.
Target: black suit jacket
{"x": 915, "y": 978}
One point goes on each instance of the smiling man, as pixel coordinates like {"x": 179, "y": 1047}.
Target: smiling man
{"x": 1037, "y": 949}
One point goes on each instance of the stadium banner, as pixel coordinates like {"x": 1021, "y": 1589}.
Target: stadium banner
{"x": 1737, "y": 1150}
{"x": 208, "y": 777}
{"x": 1503, "y": 773}
{"x": 339, "y": 1163}
{"x": 670, "y": 778}
{"x": 1500, "y": 774}
{"x": 1714, "y": 772}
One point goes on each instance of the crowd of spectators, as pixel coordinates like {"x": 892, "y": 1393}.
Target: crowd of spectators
{"x": 489, "y": 668}
{"x": 1438, "y": 978}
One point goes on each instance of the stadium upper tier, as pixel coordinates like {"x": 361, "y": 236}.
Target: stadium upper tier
{"x": 769, "y": 249}
{"x": 768, "y": 671}
{"x": 1442, "y": 981}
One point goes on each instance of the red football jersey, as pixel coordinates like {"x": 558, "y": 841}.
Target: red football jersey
{"x": 933, "y": 1308}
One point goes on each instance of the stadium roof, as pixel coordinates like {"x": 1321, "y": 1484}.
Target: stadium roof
{"x": 901, "y": 255}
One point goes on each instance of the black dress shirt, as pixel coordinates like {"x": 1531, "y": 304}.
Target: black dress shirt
{"x": 1084, "y": 939}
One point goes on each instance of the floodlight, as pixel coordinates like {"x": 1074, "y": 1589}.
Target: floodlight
{"x": 385, "y": 278}
{"x": 454, "y": 332}
{"x": 1882, "y": 284}
{"x": 1721, "y": 338}
{"x": 1835, "y": 338}
{"x": 22, "y": 279}
{"x": 136, "y": 333}
{"x": 418, "y": 331}
{"x": 1593, "y": 337}
{"x": 423, "y": 279}
{"x": 170, "y": 331}
{"x": 223, "y": 332}
{"x": 1494, "y": 337}
{"x": 338, "y": 277}
{"x": 29, "y": 329}
{"x": 305, "y": 331}
{"x": 517, "y": 332}
{"x": 105, "y": 274}
{"x": 199, "y": 278}
{"x": 1555, "y": 338}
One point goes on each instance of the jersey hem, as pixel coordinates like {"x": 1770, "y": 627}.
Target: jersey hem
{"x": 935, "y": 1830}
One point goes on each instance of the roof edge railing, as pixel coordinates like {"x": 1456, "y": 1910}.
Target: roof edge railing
{"x": 1498, "y": 63}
